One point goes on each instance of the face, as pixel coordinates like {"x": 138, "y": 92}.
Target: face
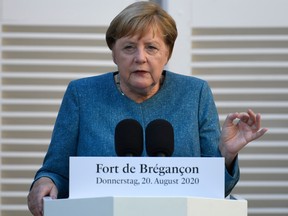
{"x": 140, "y": 62}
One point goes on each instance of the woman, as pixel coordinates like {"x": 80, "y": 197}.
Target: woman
{"x": 141, "y": 38}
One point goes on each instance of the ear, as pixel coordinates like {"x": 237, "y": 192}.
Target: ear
{"x": 168, "y": 57}
{"x": 114, "y": 58}
{"x": 167, "y": 62}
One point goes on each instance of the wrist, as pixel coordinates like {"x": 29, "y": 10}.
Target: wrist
{"x": 228, "y": 156}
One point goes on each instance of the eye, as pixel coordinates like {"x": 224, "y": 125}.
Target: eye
{"x": 129, "y": 48}
{"x": 152, "y": 49}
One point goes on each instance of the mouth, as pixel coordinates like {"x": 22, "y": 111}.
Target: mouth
{"x": 140, "y": 72}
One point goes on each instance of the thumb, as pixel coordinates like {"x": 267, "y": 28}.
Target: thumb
{"x": 54, "y": 192}
{"x": 230, "y": 119}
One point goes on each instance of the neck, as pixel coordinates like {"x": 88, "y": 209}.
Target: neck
{"x": 137, "y": 96}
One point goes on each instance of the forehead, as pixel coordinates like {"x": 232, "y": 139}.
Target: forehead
{"x": 149, "y": 35}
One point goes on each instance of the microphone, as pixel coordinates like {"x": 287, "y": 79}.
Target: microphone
{"x": 128, "y": 138}
{"x": 159, "y": 138}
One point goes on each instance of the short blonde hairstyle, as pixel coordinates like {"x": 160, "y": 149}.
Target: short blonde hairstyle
{"x": 137, "y": 18}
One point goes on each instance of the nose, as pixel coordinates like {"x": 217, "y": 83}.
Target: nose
{"x": 140, "y": 56}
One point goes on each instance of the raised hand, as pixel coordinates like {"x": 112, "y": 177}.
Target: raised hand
{"x": 238, "y": 130}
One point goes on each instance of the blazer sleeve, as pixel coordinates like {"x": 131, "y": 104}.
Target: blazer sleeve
{"x": 63, "y": 143}
{"x": 210, "y": 132}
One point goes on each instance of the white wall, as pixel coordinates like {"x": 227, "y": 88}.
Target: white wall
{"x": 61, "y": 12}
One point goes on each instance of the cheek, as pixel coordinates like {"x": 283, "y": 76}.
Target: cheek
{"x": 161, "y": 62}
{"x": 121, "y": 59}
{"x": 114, "y": 56}
{"x": 163, "y": 58}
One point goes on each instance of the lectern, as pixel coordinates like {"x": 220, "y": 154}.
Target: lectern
{"x": 132, "y": 186}
{"x": 145, "y": 206}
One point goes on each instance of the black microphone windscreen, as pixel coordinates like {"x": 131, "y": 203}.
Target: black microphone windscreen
{"x": 129, "y": 138}
{"x": 159, "y": 137}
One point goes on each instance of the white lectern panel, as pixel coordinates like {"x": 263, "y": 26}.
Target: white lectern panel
{"x": 145, "y": 206}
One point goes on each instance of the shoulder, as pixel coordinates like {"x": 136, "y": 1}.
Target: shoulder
{"x": 183, "y": 81}
{"x": 98, "y": 79}
{"x": 91, "y": 85}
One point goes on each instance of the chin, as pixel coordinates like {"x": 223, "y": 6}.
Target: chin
{"x": 141, "y": 84}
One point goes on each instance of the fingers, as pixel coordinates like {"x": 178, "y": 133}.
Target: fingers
{"x": 35, "y": 204}
{"x": 257, "y": 123}
{"x": 254, "y": 122}
{"x": 248, "y": 117}
{"x": 251, "y": 119}
{"x": 245, "y": 117}
{"x": 41, "y": 188}
{"x": 230, "y": 119}
{"x": 260, "y": 133}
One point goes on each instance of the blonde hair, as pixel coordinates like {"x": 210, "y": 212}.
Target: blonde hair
{"x": 137, "y": 18}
